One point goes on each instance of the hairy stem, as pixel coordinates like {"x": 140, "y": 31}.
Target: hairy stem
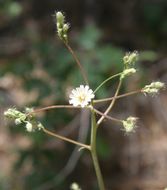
{"x": 66, "y": 139}
{"x": 111, "y": 104}
{"x": 78, "y": 63}
{"x": 118, "y": 97}
{"x": 94, "y": 152}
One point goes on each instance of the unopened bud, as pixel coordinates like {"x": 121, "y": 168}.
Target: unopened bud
{"x": 18, "y": 121}
{"x": 60, "y": 17}
{"x": 75, "y": 186}
{"x": 62, "y": 27}
{"x": 40, "y": 126}
{"x": 66, "y": 27}
{"x": 130, "y": 58}
{"x": 153, "y": 88}
{"x": 128, "y": 72}
{"x": 29, "y": 127}
{"x": 129, "y": 124}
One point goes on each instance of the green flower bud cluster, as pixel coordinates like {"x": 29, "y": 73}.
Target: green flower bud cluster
{"x": 153, "y": 88}
{"x": 129, "y": 124}
{"x": 62, "y": 27}
{"x": 128, "y": 72}
{"x": 26, "y": 118}
{"x": 13, "y": 113}
{"x": 130, "y": 59}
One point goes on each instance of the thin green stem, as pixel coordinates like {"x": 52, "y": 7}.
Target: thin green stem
{"x": 78, "y": 63}
{"x": 65, "y": 139}
{"x": 105, "y": 81}
{"x": 111, "y": 104}
{"x": 118, "y": 97}
{"x": 94, "y": 152}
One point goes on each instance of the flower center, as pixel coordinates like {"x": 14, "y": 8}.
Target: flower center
{"x": 81, "y": 98}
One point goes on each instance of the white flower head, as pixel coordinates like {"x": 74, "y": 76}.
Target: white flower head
{"x": 81, "y": 96}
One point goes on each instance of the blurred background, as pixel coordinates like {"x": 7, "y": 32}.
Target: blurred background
{"x": 36, "y": 70}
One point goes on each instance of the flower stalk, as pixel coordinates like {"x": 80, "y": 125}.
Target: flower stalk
{"x": 94, "y": 151}
{"x": 66, "y": 139}
{"x": 117, "y": 97}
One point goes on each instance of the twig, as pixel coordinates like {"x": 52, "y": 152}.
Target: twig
{"x": 66, "y": 139}
{"x": 53, "y": 107}
{"x": 117, "y": 97}
{"x": 107, "y": 116}
{"x": 111, "y": 104}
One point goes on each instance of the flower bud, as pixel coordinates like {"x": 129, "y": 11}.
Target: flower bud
{"x": 13, "y": 113}
{"x": 40, "y": 126}
{"x": 60, "y": 18}
{"x": 62, "y": 27}
{"x": 66, "y": 27}
{"x": 130, "y": 58}
{"x": 129, "y": 124}
{"x": 128, "y": 72}
{"x": 153, "y": 88}
{"x": 75, "y": 186}
{"x": 29, "y": 127}
{"x": 18, "y": 121}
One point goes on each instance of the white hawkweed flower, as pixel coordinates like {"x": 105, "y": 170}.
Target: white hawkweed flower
{"x": 129, "y": 124}
{"x": 81, "y": 96}
{"x": 29, "y": 126}
{"x": 128, "y": 72}
{"x": 153, "y": 88}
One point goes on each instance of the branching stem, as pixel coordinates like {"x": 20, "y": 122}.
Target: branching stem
{"x": 118, "y": 97}
{"x": 56, "y": 107}
{"x": 66, "y": 139}
{"x": 107, "y": 116}
{"x": 111, "y": 104}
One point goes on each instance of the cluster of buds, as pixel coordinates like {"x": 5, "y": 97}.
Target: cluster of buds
{"x": 26, "y": 118}
{"x": 62, "y": 27}
{"x": 128, "y": 72}
{"x": 153, "y": 88}
{"x": 130, "y": 59}
{"x": 129, "y": 124}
